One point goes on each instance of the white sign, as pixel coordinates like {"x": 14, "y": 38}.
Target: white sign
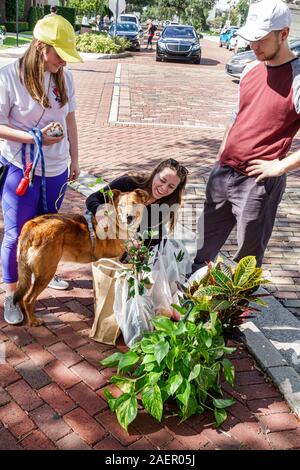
{"x": 117, "y": 6}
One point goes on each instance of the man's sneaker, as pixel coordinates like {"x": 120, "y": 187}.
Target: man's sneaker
{"x": 58, "y": 283}
{"x": 12, "y": 313}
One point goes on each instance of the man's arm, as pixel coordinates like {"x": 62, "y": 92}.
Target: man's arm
{"x": 268, "y": 169}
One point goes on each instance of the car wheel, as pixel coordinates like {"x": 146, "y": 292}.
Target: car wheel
{"x": 197, "y": 61}
{"x": 158, "y": 59}
{"x": 220, "y": 44}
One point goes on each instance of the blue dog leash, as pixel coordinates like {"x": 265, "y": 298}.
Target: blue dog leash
{"x": 38, "y": 139}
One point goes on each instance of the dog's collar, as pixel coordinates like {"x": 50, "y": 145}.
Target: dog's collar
{"x": 89, "y": 220}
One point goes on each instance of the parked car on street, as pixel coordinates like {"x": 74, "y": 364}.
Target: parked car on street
{"x": 129, "y": 31}
{"x": 179, "y": 42}
{"x": 235, "y": 66}
{"x": 130, "y": 18}
{"x": 226, "y": 35}
{"x": 238, "y": 44}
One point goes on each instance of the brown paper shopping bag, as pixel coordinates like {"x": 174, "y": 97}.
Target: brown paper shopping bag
{"x": 105, "y": 328}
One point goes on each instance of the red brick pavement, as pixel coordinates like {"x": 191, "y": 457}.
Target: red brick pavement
{"x": 51, "y": 385}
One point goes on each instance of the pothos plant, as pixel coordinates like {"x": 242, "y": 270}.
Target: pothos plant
{"x": 179, "y": 361}
{"x": 227, "y": 291}
{"x": 140, "y": 258}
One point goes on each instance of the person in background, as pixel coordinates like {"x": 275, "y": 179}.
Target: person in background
{"x": 248, "y": 180}
{"x": 150, "y": 31}
{"x": 34, "y": 91}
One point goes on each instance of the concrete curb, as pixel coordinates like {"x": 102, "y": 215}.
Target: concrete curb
{"x": 273, "y": 363}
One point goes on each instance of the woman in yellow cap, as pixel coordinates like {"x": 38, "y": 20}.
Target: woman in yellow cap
{"x": 36, "y": 91}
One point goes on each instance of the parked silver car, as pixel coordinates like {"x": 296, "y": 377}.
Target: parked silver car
{"x": 235, "y": 66}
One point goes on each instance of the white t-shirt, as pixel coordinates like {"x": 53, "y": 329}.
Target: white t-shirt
{"x": 20, "y": 110}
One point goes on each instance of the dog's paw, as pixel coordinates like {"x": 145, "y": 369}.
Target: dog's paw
{"x": 36, "y": 321}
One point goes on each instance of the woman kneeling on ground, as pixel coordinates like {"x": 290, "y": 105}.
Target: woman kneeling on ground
{"x": 165, "y": 186}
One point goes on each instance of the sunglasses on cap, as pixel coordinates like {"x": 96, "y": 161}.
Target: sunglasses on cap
{"x": 182, "y": 170}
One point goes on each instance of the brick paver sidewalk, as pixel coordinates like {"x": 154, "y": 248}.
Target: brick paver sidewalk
{"x": 51, "y": 382}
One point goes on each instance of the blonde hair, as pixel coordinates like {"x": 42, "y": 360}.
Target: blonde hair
{"x": 31, "y": 74}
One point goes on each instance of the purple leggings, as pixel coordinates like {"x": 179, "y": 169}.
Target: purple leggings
{"x": 19, "y": 209}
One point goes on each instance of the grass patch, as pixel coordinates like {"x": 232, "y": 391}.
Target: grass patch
{"x": 11, "y": 41}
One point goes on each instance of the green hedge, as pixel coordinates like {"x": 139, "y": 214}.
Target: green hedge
{"x": 66, "y": 12}
{"x": 34, "y": 14}
{"x": 11, "y": 26}
{"x": 101, "y": 43}
{"x": 10, "y": 9}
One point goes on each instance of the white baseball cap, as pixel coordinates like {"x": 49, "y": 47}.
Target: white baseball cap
{"x": 263, "y": 17}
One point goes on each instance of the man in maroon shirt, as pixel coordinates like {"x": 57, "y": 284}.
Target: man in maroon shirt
{"x": 248, "y": 180}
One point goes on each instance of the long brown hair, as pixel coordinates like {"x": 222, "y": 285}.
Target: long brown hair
{"x": 31, "y": 74}
{"x": 145, "y": 182}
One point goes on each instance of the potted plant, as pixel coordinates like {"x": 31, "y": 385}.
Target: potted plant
{"x": 179, "y": 361}
{"x": 229, "y": 292}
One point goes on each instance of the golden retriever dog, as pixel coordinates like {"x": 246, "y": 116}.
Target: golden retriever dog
{"x": 47, "y": 239}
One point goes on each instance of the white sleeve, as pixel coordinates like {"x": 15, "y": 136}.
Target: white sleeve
{"x": 5, "y": 104}
{"x": 71, "y": 91}
{"x": 296, "y": 85}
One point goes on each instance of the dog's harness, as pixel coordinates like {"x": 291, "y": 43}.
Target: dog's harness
{"x": 89, "y": 220}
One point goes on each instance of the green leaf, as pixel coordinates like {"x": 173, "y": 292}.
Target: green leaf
{"x": 195, "y": 372}
{"x": 213, "y": 320}
{"x": 219, "y": 305}
{"x": 228, "y": 350}
{"x": 223, "y": 403}
{"x": 169, "y": 361}
{"x": 229, "y": 371}
{"x": 178, "y": 308}
{"x": 174, "y": 383}
{"x": 244, "y": 269}
{"x": 112, "y": 361}
{"x": 152, "y": 401}
{"x": 163, "y": 324}
{"x": 153, "y": 377}
{"x": 184, "y": 396}
{"x": 123, "y": 383}
{"x": 147, "y": 346}
{"x": 161, "y": 350}
{"x": 148, "y": 358}
{"x": 220, "y": 416}
{"x": 127, "y": 361}
{"x": 126, "y": 411}
{"x": 208, "y": 291}
{"x": 260, "y": 302}
{"x": 111, "y": 400}
{"x": 221, "y": 279}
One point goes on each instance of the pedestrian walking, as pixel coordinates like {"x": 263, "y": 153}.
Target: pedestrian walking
{"x": 248, "y": 179}
{"x": 36, "y": 91}
{"x": 150, "y": 31}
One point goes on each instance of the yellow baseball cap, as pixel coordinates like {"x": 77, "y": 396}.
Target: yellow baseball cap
{"x": 57, "y": 32}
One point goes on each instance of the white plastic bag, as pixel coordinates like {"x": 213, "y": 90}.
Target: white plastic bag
{"x": 197, "y": 275}
{"x": 133, "y": 315}
{"x": 166, "y": 272}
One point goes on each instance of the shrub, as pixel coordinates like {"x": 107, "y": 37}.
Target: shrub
{"x": 10, "y": 8}
{"x": 11, "y": 26}
{"x": 66, "y": 12}
{"x": 101, "y": 43}
{"x": 34, "y": 14}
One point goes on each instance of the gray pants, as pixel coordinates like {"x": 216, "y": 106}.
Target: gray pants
{"x": 235, "y": 199}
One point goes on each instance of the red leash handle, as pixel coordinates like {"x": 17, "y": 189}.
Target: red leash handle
{"x": 24, "y": 183}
